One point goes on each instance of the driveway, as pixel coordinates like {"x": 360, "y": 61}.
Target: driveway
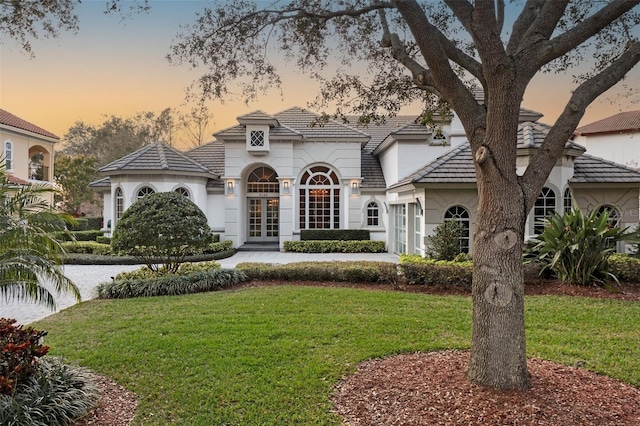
{"x": 87, "y": 277}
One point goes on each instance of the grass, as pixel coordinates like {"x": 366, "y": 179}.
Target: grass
{"x": 272, "y": 355}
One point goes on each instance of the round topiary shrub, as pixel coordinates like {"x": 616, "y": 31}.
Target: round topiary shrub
{"x": 161, "y": 228}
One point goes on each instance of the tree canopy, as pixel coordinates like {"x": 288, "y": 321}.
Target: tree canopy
{"x": 452, "y": 53}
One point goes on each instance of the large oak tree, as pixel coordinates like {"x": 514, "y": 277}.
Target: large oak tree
{"x": 414, "y": 49}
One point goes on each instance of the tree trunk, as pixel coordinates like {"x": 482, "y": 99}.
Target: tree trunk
{"x": 498, "y": 350}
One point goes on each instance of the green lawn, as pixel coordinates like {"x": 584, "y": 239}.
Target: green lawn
{"x": 271, "y": 355}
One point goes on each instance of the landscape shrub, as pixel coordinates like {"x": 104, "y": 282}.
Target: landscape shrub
{"x": 86, "y": 247}
{"x": 55, "y": 394}
{"x": 445, "y": 243}
{"x": 416, "y": 269}
{"x": 218, "y": 246}
{"x": 185, "y": 268}
{"x": 335, "y": 234}
{"x": 78, "y": 224}
{"x": 162, "y": 226}
{"x": 335, "y": 246}
{"x": 20, "y": 349}
{"x": 103, "y": 240}
{"x": 363, "y": 272}
{"x": 576, "y": 247}
{"x": 625, "y": 268}
{"x": 94, "y": 222}
{"x": 91, "y": 235}
{"x": 171, "y": 285}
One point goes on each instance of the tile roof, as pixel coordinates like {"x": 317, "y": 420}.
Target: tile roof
{"x": 628, "y": 121}
{"x": 105, "y": 182}
{"x": 372, "y": 176}
{"x": 299, "y": 122}
{"x": 589, "y": 169}
{"x": 259, "y": 115}
{"x": 11, "y": 120}
{"x": 379, "y": 131}
{"x": 15, "y": 180}
{"x": 155, "y": 157}
{"x": 210, "y": 155}
{"x": 532, "y": 134}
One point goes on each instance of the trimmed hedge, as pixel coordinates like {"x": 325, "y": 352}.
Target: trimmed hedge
{"x": 171, "y": 285}
{"x": 335, "y": 246}
{"x": 335, "y": 234}
{"x": 185, "y": 268}
{"x": 218, "y": 246}
{"x": 90, "y": 235}
{"x": 86, "y": 247}
{"x": 418, "y": 270}
{"x": 103, "y": 240}
{"x": 355, "y": 272}
{"x": 625, "y": 268}
{"x": 93, "y": 259}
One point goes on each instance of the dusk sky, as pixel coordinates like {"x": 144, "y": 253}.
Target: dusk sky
{"x": 115, "y": 66}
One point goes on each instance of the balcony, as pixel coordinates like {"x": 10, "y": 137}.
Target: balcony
{"x": 40, "y": 173}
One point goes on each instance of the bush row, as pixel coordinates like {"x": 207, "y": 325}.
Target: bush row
{"x": 335, "y": 234}
{"x": 93, "y": 247}
{"x": 93, "y": 259}
{"x": 625, "y": 268}
{"x": 335, "y": 246}
{"x": 365, "y": 272}
{"x": 185, "y": 268}
{"x": 91, "y": 235}
{"x": 171, "y": 285}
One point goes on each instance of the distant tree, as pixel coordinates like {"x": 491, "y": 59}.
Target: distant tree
{"x": 445, "y": 241}
{"x": 196, "y": 125}
{"x": 429, "y": 51}
{"x": 29, "y": 254}
{"x": 73, "y": 174}
{"x": 164, "y": 227}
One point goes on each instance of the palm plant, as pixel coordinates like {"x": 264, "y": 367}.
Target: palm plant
{"x": 29, "y": 252}
{"x": 576, "y": 247}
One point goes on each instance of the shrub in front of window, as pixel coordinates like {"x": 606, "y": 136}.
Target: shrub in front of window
{"x": 445, "y": 243}
{"x": 576, "y": 247}
{"x": 162, "y": 227}
{"x": 337, "y": 246}
{"x": 335, "y": 234}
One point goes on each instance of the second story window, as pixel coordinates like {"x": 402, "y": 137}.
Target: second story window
{"x": 257, "y": 138}
{"x": 8, "y": 155}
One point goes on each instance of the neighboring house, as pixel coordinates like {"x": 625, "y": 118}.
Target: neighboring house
{"x": 27, "y": 151}
{"x": 271, "y": 176}
{"x": 616, "y": 138}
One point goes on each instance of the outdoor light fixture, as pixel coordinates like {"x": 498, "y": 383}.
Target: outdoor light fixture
{"x": 354, "y": 187}
{"x": 285, "y": 186}
{"x": 230, "y": 187}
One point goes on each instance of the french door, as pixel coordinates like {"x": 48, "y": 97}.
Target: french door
{"x": 263, "y": 221}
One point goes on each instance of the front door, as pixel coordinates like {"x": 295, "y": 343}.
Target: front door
{"x": 263, "y": 219}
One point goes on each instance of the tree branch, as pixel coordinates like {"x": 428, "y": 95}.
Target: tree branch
{"x": 524, "y": 21}
{"x": 545, "y": 158}
{"x": 543, "y": 53}
{"x": 499, "y": 15}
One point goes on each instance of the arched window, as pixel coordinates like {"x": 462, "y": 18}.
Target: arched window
{"x": 8, "y": 155}
{"x": 545, "y": 206}
{"x": 263, "y": 180}
{"x": 460, "y": 215}
{"x": 373, "y": 214}
{"x": 319, "y": 199}
{"x": 119, "y": 203}
{"x": 145, "y": 190}
{"x": 183, "y": 191}
{"x": 567, "y": 201}
{"x": 614, "y": 215}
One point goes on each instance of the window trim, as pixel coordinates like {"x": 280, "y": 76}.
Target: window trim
{"x": 461, "y": 215}
{"x": 373, "y": 214}
{"x": 310, "y": 180}
{"x": 547, "y": 201}
{"x": 8, "y": 155}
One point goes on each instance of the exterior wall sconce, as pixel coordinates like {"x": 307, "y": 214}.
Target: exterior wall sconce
{"x": 285, "y": 187}
{"x": 230, "y": 187}
{"x": 354, "y": 187}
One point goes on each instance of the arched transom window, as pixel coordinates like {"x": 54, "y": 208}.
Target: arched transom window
{"x": 460, "y": 215}
{"x": 8, "y": 155}
{"x": 545, "y": 206}
{"x": 614, "y": 215}
{"x": 183, "y": 191}
{"x": 567, "y": 201}
{"x": 319, "y": 199}
{"x": 145, "y": 190}
{"x": 263, "y": 180}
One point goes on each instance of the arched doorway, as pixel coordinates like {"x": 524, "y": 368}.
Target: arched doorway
{"x": 263, "y": 205}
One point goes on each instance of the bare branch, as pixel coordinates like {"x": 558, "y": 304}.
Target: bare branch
{"x": 524, "y": 21}
{"x": 463, "y": 11}
{"x": 545, "y": 158}
{"x": 499, "y": 15}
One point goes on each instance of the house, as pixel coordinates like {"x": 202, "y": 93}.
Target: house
{"x": 616, "y": 138}
{"x": 27, "y": 151}
{"x": 271, "y": 176}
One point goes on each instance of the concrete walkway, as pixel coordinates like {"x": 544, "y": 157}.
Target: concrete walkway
{"x": 87, "y": 278}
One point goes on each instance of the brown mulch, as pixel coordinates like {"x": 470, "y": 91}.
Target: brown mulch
{"x": 431, "y": 388}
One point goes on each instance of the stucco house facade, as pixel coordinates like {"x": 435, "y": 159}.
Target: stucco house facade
{"x": 27, "y": 151}
{"x": 271, "y": 176}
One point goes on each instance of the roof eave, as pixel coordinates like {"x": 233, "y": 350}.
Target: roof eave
{"x": 29, "y": 133}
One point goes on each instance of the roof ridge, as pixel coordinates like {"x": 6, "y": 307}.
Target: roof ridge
{"x": 162, "y": 155}
{"x": 8, "y": 119}
{"x": 304, "y": 110}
